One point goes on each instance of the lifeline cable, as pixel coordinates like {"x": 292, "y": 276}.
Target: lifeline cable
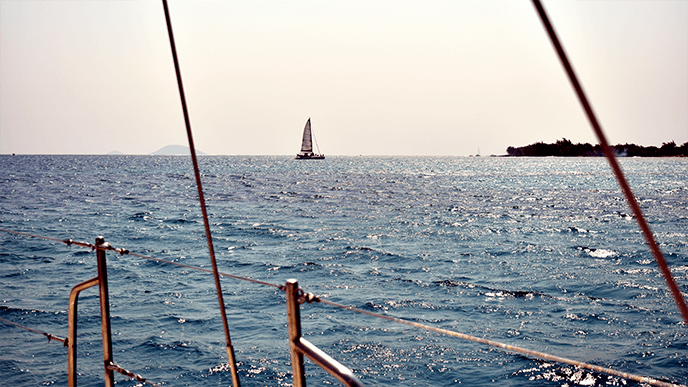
{"x": 630, "y": 198}
{"x": 540, "y": 355}
{"x": 70, "y": 242}
{"x": 209, "y": 271}
{"x": 131, "y": 375}
{"x": 113, "y": 367}
{"x": 48, "y": 335}
{"x": 230, "y": 349}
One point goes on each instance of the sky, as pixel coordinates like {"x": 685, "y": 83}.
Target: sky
{"x": 375, "y": 77}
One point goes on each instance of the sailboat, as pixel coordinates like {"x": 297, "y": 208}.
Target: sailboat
{"x": 307, "y": 145}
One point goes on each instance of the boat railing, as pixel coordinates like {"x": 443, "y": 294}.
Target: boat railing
{"x": 298, "y": 346}
{"x": 103, "y": 295}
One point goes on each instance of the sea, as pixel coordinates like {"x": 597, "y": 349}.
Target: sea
{"x": 540, "y": 253}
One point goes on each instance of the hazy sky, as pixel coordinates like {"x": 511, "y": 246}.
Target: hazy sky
{"x": 375, "y": 77}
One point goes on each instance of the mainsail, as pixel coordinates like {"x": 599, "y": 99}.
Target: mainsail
{"x": 307, "y": 142}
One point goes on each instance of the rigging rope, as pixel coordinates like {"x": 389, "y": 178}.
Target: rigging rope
{"x": 230, "y": 349}
{"x": 630, "y": 198}
{"x": 316, "y": 140}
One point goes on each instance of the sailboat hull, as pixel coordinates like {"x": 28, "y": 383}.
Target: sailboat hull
{"x": 312, "y": 156}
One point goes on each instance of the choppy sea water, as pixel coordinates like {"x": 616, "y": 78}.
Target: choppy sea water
{"x": 540, "y": 253}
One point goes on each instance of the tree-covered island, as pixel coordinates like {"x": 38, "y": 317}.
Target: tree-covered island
{"x": 566, "y": 148}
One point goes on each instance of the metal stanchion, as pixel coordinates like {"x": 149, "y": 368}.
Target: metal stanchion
{"x": 298, "y": 346}
{"x": 294, "y": 322}
{"x": 102, "y": 283}
{"x": 71, "y": 337}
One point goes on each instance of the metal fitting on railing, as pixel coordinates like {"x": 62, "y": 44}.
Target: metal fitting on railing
{"x": 299, "y": 346}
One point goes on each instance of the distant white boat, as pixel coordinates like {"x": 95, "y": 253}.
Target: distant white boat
{"x": 307, "y": 145}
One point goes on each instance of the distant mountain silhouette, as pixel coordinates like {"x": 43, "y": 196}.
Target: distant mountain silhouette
{"x": 175, "y": 150}
{"x": 115, "y": 153}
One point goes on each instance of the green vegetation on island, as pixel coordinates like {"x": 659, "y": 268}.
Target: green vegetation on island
{"x": 566, "y": 148}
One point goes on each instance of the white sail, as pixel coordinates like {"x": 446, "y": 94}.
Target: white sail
{"x": 307, "y": 142}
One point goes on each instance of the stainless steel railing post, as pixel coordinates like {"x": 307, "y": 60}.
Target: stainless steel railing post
{"x": 105, "y": 311}
{"x": 101, "y": 280}
{"x": 294, "y": 322}
{"x": 71, "y": 336}
{"x": 298, "y": 346}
